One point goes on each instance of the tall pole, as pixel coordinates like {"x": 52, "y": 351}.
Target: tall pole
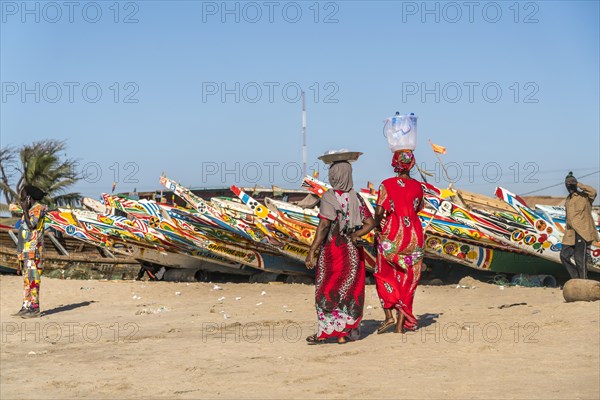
{"x": 303, "y": 137}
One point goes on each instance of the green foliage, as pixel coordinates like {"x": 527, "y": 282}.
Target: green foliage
{"x": 40, "y": 164}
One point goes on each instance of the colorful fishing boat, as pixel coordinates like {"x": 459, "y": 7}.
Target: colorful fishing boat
{"x": 542, "y": 224}
{"x": 558, "y": 215}
{"x": 244, "y": 235}
{"x": 473, "y": 255}
{"x": 480, "y": 234}
{"x": 212, "y": 213}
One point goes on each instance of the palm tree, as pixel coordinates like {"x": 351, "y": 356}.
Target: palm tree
{"x": 7, "y": 157}
{"x": 39, "y": 164}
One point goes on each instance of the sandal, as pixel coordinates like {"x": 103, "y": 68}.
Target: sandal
{"x": 312, "y": 339}
{"x": 385, "y": 325}
{"x": 344, "y": 340}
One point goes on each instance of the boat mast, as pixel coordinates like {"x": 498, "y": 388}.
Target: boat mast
{"x": 303, "y": 137}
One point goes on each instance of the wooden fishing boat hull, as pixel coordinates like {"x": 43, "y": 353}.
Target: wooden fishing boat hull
{"x": 185, "y": 261}
{"x": 450, "y": 249}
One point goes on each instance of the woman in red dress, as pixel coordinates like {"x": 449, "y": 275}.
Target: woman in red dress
{"x": 399, "y": 244}
{"x": 340, "y": 274}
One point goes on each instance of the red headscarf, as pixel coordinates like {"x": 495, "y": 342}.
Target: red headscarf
{"x": 403, "y": 161}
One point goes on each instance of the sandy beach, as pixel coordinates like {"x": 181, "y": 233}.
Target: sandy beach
{"x": 128, "y": 339}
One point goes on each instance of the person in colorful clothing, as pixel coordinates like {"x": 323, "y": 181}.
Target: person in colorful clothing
{"x": 340, "y": 273}
{"x": 30, "y": 249}
{"x": 581, "y": 229}
{"x": 399, "y": 244}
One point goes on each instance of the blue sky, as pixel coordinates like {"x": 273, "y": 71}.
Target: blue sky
{"x": 162, "y": 66}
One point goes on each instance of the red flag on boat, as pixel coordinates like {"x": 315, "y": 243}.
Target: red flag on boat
{"x": 438, "y": 148}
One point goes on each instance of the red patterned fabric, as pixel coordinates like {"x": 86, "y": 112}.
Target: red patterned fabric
{"x": 340, "y": 282}
{"x": 400, "y": 246}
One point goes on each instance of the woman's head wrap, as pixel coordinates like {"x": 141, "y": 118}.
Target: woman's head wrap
{"x": 403, "y": 161}
{"x": 340, "y": 176}
{"x": 346, "y": 202}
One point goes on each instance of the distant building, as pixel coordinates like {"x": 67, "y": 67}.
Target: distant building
{"x": 544, "y": 200}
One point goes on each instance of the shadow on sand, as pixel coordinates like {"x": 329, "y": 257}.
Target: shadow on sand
{"x": 67, "y": 307}
{"x": 369, "y": 326}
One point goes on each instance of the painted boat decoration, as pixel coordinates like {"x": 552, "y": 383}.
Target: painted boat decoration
{"x": 558, "y": 215}
{"x": 239, "y": 210}
{"x": 438, "y": 224}
{"x": 66, "y": 224}
{"x": 190, "y": 234}
{"x": 302, "y": 235}
{"x": 487, "y": 259}
{"x": 187, "y": 256}
{"x": 541, "y": 224}
{"x": 315, "y": 186}
{"x": 212, "y": 213}
{"x": 524, "y": 239}
{"x": 293, "y": 212}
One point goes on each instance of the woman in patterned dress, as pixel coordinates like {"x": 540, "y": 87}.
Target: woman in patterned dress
{"x": 399, "y": 244}
{"x": 340, "y": 274}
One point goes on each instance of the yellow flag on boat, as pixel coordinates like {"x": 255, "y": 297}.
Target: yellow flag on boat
{"x": 446, "y": 193}
{"x": 315, "y": 174}
{"x": 438, "y": 149}
{"x": 113, "y": 187}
